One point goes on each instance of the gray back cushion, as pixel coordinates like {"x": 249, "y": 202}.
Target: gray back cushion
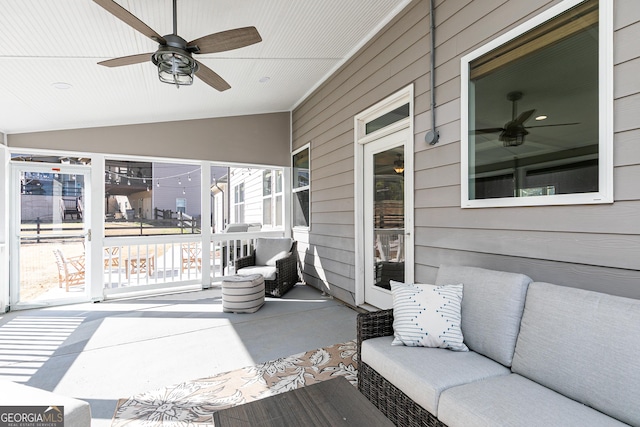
{"x": 492, "y": 304}
{"x": 584, "y": 345}
{"x": 268, "y": 250}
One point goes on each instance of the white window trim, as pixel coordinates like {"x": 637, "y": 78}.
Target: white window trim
{"x": 307, "y": 146}
{"x": 605, "y": 95}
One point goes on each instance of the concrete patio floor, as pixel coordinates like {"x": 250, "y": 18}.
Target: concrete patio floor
{"x": 106, "y": 351}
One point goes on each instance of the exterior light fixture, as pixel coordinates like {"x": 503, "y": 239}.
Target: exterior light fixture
{"x": 398, "y": 164}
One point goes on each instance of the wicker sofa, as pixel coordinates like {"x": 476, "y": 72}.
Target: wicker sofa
{"x": 540, "y": 355}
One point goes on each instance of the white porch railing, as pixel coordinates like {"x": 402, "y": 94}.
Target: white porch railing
{"x": 156, "y": 262}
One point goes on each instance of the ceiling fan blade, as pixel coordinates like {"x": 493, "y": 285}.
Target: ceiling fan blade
{"x": 524, "y": 116}
{"x": 211, "y": 78}
{"x": 487, "y": 130}
{"x": 225, "y": 40}
{"x": 546, "y": 126}
{"x": 127, "y": 60}
{"x": 128, "y": 18}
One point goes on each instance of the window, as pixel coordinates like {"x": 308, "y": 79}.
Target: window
{"x": 300, "y": 188}
{"x": 272, "y": 198}
{"x": 151, "y": 198}
{"x": 387, "y": 119}
{"x": 279, "y": 200}
{"x": 181, "y": 206}
{"x": 266, "y": 197}
{"x": 238, "y": 203}
{"x": 536, "y": 108}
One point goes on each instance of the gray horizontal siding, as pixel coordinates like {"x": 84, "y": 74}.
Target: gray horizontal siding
{"x": 593, "y": 247}
{"x": 600, "y": 250}
{"x": 614, "y": 281}
{"x": 390, "y": 61}
{"x": 617, "y": 218}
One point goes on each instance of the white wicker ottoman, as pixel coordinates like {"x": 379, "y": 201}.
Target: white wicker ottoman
{"x": 242, "y": 294}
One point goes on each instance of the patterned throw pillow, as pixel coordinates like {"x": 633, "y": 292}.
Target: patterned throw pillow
{"x": 427, "y": 316}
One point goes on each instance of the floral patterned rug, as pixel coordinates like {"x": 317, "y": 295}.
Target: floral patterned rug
{"x": 192, "y": 403}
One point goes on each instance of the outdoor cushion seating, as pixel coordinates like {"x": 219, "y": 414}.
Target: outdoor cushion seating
{"x": 539, "y": 354}
{"x": 276, "y": 260}
{"x": 235, "y": 249}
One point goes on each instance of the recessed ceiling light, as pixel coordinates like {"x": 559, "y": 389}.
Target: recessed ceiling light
{"x": 61, "y": 85}
{"x": 542, "y": 117}
{"x": 264, "y": 79}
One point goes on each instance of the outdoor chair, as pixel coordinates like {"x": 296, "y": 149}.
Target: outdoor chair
{"x": 111, "y": 257}
{"x": 191, "y": 256}
{"x": 276, "y": 259}
{"x": 235, "y": 247}
{"x": 70, "y": 269}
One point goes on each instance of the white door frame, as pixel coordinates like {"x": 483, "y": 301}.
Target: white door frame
{"x": 394, "y": 101}
{"x": 15, "y": 225}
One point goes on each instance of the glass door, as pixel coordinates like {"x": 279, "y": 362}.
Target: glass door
{"x": 385, "y": 217}
{"x": 51, "y": 234}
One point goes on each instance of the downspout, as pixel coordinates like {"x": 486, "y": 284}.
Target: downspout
{"x": 433, "y": 135}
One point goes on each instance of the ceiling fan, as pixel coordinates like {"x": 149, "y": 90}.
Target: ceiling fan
{"x": 514, "y": 131}
{"x": 174, "y": 55}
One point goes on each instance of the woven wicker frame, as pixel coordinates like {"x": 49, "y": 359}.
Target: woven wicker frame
{"x": 393, "y": 403}
{"x": 286, "y": 276}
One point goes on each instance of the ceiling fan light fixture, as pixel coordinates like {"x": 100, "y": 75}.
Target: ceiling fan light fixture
{"x": 175, "y": 66}
{"x": 513, "y": 140}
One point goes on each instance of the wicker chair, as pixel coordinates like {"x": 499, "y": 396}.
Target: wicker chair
{"x": 286, "y": 268}
{"x": 393, "y": 403}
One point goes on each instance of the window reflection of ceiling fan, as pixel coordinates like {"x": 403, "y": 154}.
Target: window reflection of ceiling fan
{"x": 174, "y": 55}
{"x": 514, "y": 131}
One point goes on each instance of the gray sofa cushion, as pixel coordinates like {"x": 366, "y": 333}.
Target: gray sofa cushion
{"x": 513, "y": 401}
{"x": 492, "y": 305}
{"x": 268, "y": 250}
{"x": 585, "y": 345}
{"x": 423, "y": 373}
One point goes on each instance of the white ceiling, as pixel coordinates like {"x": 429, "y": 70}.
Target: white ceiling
{"x": 46, "y": 42}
